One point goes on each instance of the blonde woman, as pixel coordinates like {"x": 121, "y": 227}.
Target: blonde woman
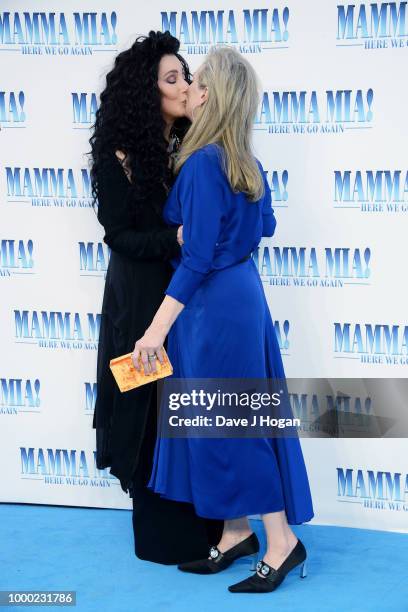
{"x": 219, "y": 326}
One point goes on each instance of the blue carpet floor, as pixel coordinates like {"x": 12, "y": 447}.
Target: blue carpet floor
{"x": 91, "y": 551}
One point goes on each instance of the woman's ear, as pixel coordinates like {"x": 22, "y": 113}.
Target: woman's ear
{"x": 204, "y": 95}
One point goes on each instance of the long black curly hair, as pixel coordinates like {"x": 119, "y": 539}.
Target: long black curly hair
{"x": 129, "y": 118}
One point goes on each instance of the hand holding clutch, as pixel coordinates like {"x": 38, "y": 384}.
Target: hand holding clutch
{"x": 148, "y": 351}
{"x": 128, "y": 377}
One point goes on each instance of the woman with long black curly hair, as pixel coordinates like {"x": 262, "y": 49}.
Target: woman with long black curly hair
{"x": 138, "y": 123}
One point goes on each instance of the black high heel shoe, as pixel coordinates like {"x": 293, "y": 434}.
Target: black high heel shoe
{"x": 272, "y": 578}
{"x": 219, "y": 561}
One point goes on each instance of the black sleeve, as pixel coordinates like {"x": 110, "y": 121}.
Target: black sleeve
{"x": 113, "y": 214}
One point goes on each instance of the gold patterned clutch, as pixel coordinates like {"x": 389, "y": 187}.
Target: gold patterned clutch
{"x": 127, "y": 377}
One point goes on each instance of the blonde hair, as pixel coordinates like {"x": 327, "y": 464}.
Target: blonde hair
{"x": 226, "y": 118}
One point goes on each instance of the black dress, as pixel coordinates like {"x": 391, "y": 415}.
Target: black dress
{"x": 138, "y": 273}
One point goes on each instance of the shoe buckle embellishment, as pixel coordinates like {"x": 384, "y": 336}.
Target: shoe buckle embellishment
{"x": 214, "y": 552}
{"x": 262, "y": 568}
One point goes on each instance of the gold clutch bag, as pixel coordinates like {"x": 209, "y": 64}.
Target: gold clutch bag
{"x": 127, "y": 377}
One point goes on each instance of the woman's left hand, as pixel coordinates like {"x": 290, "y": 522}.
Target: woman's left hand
{"x": 180, "y": 235}
{"x": 149, "y": 348}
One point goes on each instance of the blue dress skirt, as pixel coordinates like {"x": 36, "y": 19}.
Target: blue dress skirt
{"x": 225, "y": 331}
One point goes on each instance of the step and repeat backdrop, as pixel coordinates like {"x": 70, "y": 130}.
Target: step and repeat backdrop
{"x": 331, "y": 132}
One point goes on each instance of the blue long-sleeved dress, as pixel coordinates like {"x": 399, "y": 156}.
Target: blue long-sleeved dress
{"x": 225, "y": 331}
